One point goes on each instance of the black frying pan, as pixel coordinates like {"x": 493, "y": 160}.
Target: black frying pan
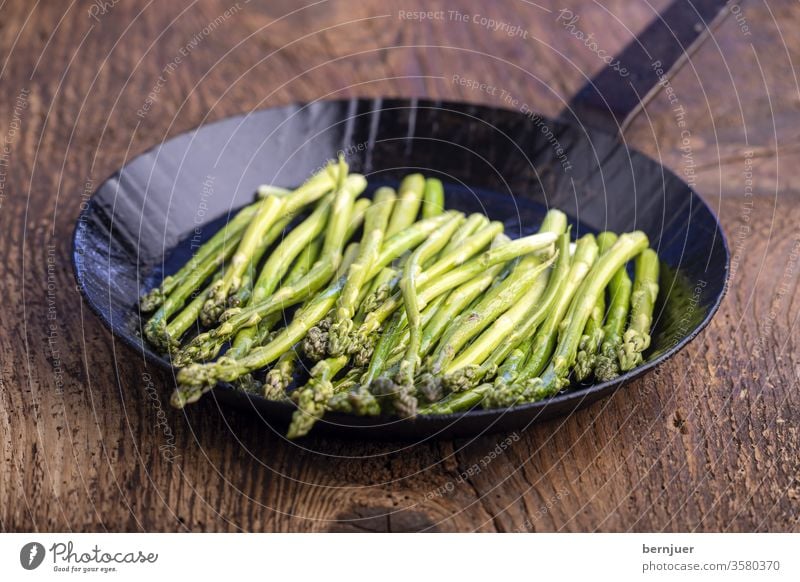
{"x": 143, "y": 222}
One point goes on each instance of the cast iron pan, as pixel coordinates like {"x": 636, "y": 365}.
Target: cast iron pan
{"x": 145, "y": 220}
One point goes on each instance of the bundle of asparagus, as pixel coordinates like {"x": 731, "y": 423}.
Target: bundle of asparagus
{"x": 429, "y": 311}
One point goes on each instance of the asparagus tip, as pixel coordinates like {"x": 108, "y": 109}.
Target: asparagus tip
{"x": 397, "y": 398}
{"x": 359, "y": 401}
{"x": 151, "y": 300}
{"x": 462, "y": 379}
{"x": 630, "y": 352}
{"x": 430, "y": 387}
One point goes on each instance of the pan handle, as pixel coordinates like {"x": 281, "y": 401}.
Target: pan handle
{"x": 610, "y": 100}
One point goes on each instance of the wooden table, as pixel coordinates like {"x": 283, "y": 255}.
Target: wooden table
{"x": 708, "y": 442}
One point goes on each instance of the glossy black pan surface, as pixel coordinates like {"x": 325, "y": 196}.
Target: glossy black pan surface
{"x": 145, "y": 220}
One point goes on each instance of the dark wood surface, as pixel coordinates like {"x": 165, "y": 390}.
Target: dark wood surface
{"x": 708, "y": 442}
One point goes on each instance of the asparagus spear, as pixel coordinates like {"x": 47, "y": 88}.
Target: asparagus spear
{"x": 304, "y": 261}
{"x": 170, "y": 338}
{"x": 266, "y": 190}
{"x": 454, "y": 304}
{"x": 546, "y": 337}
{"x": 207, "y": 345}
{"x": 196, "y": 379}
{"x": 231, "y": 233}
{"x": 506, "y": 375}
{"x": 592, "y": 337}
{"x": 467, "y": 369}
{"x": 474, "y": 223}
{"x": 393, "y": 341}
{"x": 645, "y": 291}
{"x": 374, "y": 230}
{"x": 619, "y": 289}
{"x": 555, "y": 377}
{"x": 408, "y": 285}
{"x": 280, "y": 375}
{"x": 156, "y": 329}
{"x": 358, "y": 400}
{"x": 315, "y": 344}
{"x": 457, "y": 401}
{"x": 278, "y": 264}
{"x": 563, "y": 287}
{"x": 501, "y": 298}
{"x": 310, "y": 253}
{"x": 245, "y": 291}
{"x": 519, "y": 322}
{"x": 408, "y": 202}
{"x": 312, "y": 398}
{"x": 432, "y": 198}
{"x": 586, "y": 357}
{"x": 244, "y": 295}
{"x": 432, "y": 282}
{"x": 268, "y": 212}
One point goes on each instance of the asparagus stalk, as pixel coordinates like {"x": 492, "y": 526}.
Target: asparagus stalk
{"x": 279, "y": 377}
{"x": 593, "y": 335}
{"x": 469, "y": 247}
{"x": 645, "y": 291}
{"x": 466, "y": 369}
{"x": 197, "y": 379}
{"x": 171, "y": 335}
{"x": 278, "y": 264}
{"x": 474, "y": 223}
{"x": 315, "y": 344}
{"x": 312, "y": 398}
{"x": 268, "y": 213}
{"x": 547, "y": 335}
{"x": 358, "y": 400}
{"x": 393, "y": 341}
{"x": 408, "y": 285}
{"x": 509, "y": 370}
{"x": 244, "y": 295}
{"x": 207, "y": 345}
{"x": 310, "y": 253}
{"x": 304, "y": 261}
{"x": 156, "y": 327}
{"x": 279, "y": 380}
{"x": 586, "y": 358}
{"x": 457, "y": 401}
{"x": 245, "y": 291}
{"x": 178, "y": 326}
{"x": 231, "y": 233}
{"x": 432, "y": 287}
{"x": 556, "y": 376}
{"x": 408, "y": 202}
{"x": 455, "y": 303}
{"x": 501, "y": 298}
{"x": 619, "y": 290}
{"x": 506, "y": 375}
{"x": 432, "y": 198}
{"x": 376, "y": 220}
{"x": 518, "y": 323}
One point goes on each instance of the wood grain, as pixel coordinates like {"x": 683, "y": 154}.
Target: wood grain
{"x": 708, "y": 442}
